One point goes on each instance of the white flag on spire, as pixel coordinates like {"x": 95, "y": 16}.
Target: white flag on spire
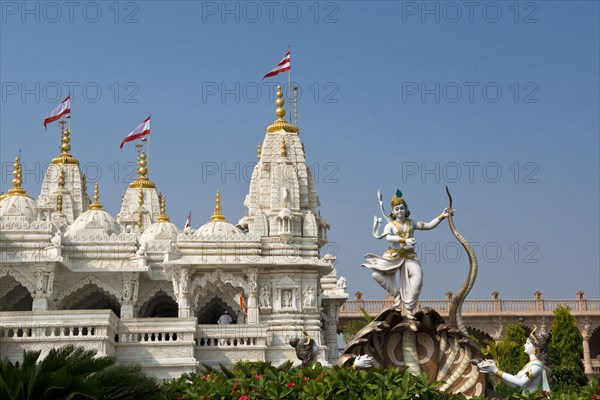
{"x": 284, "y": 65}
{"x": 140, "y": 131}
{"x": 62, "y": 109}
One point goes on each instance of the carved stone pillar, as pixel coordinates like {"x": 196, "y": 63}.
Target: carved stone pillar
{"x": 253, "y": 314}
{"x": 44, "y": 284}
{"x": 130, "y": 294}
{"x": 587, "y": 359}
{"x": 183, "y": 282}
{"x": 331, "y": 322}
{"x": 253, "y": 317}
{"x": 496, "y": 299}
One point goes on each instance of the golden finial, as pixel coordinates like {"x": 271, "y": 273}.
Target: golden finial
{"x": 59, "y": 203}
{"x": 280, "y": 111}
{"x": 96, "y": 204}
{"x": 142, "y": 170}
{"x": 280, "y": 123}
{"x": 142, "y": 180}
{"x": 61, "y": 178}
{"x": 65, "y": 146}
{"x": 217, "y": 216}
{"x": 163, "y": 210}
{"x": 258, "y": 151}
{"x": 17, "y": 190}
{"x": 283, "y": 150}
{"x": 141, "y": 197}
{"x": 139, "y": 220}
{"x": 84, "y": 183}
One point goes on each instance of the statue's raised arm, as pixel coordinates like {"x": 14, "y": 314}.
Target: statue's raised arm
{"x": 400, "y": 257}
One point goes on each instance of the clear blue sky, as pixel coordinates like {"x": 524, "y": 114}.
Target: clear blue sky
{"x": 499, "y": 100}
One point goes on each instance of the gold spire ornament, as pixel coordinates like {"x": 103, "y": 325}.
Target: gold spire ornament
{"x": 84, "y": 183}
{"x": 65, "y": 147}
{"x": 17, "y": 190}
{"x": 163, "y": 210}
{"x": 217, "y": 216}
{"x": 96, "y": 204}
{"x": 59, "y": 205}
{"x": 280, "y": 123}
{"x": 61, "y": 178}
{"x": 141, "y": 197}
{"x": 283, "y": 149}
{"x": 142, "y": 180}
{"x": 258, "y": 151}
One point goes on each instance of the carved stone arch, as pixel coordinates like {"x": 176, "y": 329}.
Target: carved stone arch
{"x": 160, "y": 305}
{"x": 89, "y": 279}
{"x": 28, "y": 284}
{"x": 212, "y": 311}
{"x": 594, "y": 341}
{"x": 225, "y": 292}
{"x": 218, "y": 278}
{"x": 7, "y": 284}
{"x": 13, "y": 295}
{"x": 91, "y": 297}
{"x": 149, "y": 292}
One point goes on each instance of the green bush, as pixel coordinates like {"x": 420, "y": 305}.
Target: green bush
{"x": 260, "y": 380}
{"x": 263, "y": 381}
{"x": 74, "y": 373}
{"x": 565, "y": 351}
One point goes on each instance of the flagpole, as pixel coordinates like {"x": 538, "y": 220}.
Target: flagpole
{"x": 69, "y": 116}
{"x": 296, "y": 105}
{"x": 148, "y": 154}
{"x": 290, "y": 70}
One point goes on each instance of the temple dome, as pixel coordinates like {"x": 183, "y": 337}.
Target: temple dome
{"x": 20, "y": 206}
{"x": 95, "y": 219}
{"x": 161, "y": 230}
{"x": 218, "y": 228}
{"x": 16, "y": 204}
{"x": 218, "y": 225}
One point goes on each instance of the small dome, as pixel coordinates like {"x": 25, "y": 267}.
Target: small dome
{"x": 160, "y": 231}
{"x": 19, "y": 207}
{"x": 93, "y": 220}
{"x": 218, "y": 228}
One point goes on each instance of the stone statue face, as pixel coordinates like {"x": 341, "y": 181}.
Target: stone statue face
{"x": 529, "y": 348}
{"x": 399, "y": 211}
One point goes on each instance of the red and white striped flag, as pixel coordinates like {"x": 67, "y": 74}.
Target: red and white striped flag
{"x": 188, "y": 221}
{"x": 140, "y": 131}
{"x": 284, "y": 65}
{"x": 62, "y": 109}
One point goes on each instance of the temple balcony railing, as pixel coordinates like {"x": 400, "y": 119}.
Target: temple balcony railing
{"x": 352, "y": 308}
{"x": 226, "y": 344}
{"x": 30, "y": 330}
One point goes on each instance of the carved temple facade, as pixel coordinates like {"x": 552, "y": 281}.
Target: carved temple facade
{"x": 141, "y": 289}
{"x": 487, "y": 318}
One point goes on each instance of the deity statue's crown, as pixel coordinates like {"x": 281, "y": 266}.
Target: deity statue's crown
{"x": 397, "y": 199}
{"x": 532, "y": 336}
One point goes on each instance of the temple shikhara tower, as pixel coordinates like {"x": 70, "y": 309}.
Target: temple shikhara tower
{"x": 139, "y": 288}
